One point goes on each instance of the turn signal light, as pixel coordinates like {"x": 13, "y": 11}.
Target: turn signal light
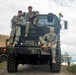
{"x": 60, "y": 13}
{"x": 4, "y": 50}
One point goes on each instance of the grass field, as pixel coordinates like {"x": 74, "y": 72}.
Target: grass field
{"x": 2, "y": 65}
{"x": 72, "y": 69}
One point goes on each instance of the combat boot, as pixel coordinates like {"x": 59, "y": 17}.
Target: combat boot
{"x": 44, "y": 46}
{"x": 8, "y": 44}
{"x": 26, "y": 35}
{"x": 13, "y": 45}
{"x": 53, "y": 61}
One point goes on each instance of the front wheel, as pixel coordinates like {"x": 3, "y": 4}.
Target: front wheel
{"x": 56, "y": 67}
{"x": 12, "y": 65}
{"x": 3, "y": 57}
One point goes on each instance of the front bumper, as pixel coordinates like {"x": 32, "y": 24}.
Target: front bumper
{"x": 27, "y": 50}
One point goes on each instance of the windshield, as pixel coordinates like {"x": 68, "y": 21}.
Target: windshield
{"x": 46, "y": 20}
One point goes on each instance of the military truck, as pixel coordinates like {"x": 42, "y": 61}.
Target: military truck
{"x": 3, "y": 54}
{"x": 27, "y": 50}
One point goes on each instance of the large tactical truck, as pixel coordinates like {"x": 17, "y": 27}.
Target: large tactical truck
{"x": 3, "y": 54}
{"x": 27, "y": 50}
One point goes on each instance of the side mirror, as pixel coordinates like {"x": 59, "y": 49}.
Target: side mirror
{"x": 65, "y": 24}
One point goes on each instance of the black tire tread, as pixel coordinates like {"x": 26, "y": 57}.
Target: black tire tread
{"x": 12, "y": 63}
{"x": 55, "y": 68}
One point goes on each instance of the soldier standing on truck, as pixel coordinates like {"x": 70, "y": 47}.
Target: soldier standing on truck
{"x": 49, "y": 41}
{"x": 15, "y": 34}
{"x": 32, "y": 18}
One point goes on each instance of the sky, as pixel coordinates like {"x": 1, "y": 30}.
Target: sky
{"x": 9, "y": 8}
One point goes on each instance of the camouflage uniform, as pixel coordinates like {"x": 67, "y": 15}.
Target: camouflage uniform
{"x": 50, "y": 38}
{"x": 16, "y": 29}
{"x": 31, "y": 18}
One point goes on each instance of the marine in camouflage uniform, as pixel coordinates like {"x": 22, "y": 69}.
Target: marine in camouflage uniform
{"x": 15, "y": 34}
{"x": 32, "y": 18}
{"x": 50, "y": 40}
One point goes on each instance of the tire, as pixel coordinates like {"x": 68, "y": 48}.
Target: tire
{"x": 56, "y": 67}
{"x": 12, "y": 64}
{"x": 3, "y": 57}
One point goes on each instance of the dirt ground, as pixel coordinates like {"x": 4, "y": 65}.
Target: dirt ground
{"x": 34, "y": 70}
{"x": 3, "y": 40}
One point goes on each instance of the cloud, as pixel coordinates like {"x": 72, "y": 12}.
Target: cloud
{"x": 68, "y": 37}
